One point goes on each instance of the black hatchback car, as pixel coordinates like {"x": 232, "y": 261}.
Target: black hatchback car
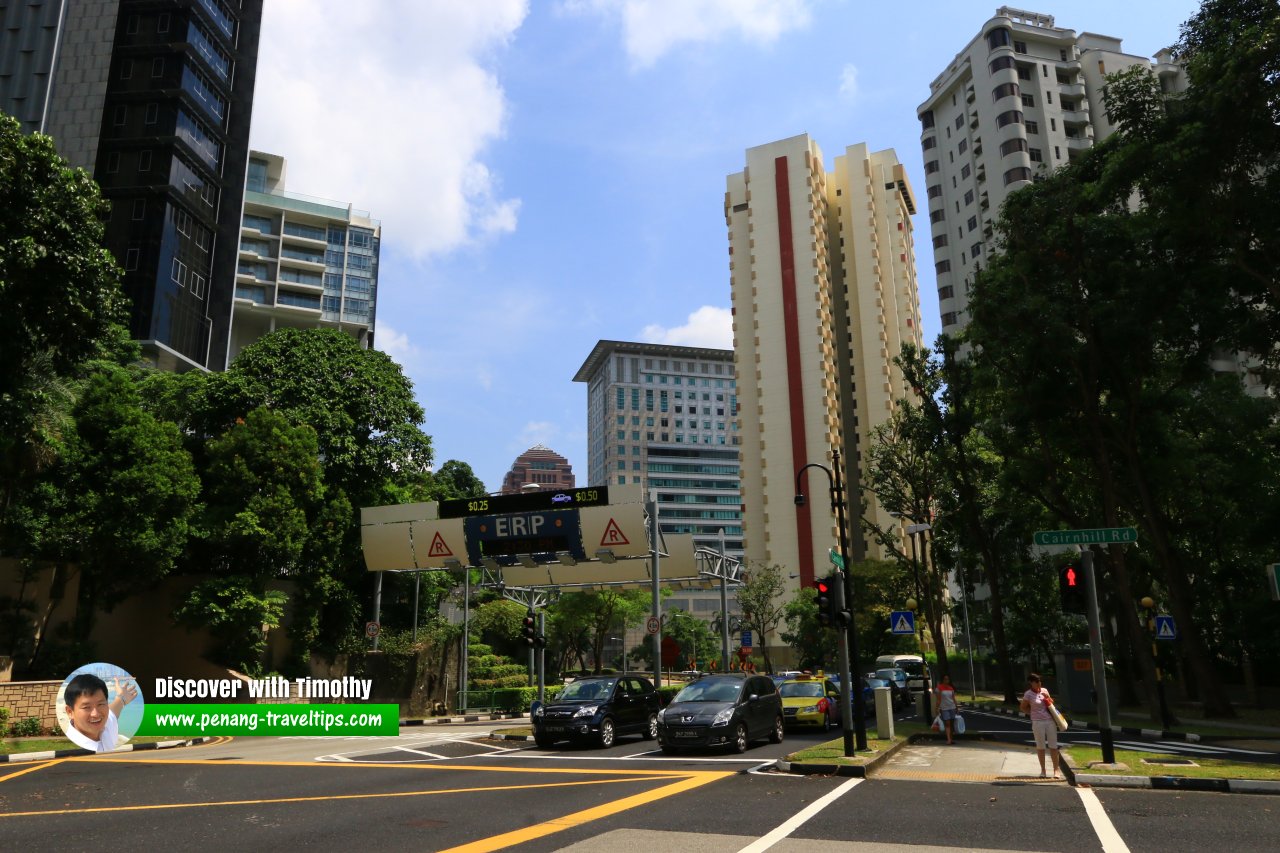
{"x": 599, "y": 708}
{"x": 722, "y": 711}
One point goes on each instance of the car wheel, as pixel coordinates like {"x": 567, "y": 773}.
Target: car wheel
{"x": 543, "y": 742}
{"x": 606, "y": 733}
{"x": 776, "y": 735}
{"x": 740, "y": 738}
{"x": 651, "y": 730}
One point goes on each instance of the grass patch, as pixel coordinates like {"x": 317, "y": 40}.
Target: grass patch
{"x": 1187, "y": 722}
{"x": 832, "y": 752}
{"x": 1206, "y": 768}
{"x": 14, "y": 747}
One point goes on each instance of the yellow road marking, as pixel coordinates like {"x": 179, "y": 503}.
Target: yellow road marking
{"x": 39, "y": 766}
{"x": 488, "y": 768}
{"x": 157, "y": 806}
{"x": 507, "y": 839}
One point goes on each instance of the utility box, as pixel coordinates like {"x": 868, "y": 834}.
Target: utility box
{"x": 884, "y": 713}
{"x": 1074, "y": 691}
{"x": 923, "y": 710}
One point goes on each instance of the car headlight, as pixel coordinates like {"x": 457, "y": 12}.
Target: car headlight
{"x": 723, "y": 718}
{"x": 812, "y": 709}
{"x": 662, "y": 714}
{"x": 587, "y": 711}
{"x": 539, "y": 712}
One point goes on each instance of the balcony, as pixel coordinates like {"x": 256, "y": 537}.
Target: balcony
{"x": 1076, "y": 117}
{"x": 1071, "y": 90}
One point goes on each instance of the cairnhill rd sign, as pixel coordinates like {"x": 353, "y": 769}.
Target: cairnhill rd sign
{"x": 1098, "y": 536}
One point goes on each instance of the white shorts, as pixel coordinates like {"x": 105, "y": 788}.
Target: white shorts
{"x": 1045, "y": 730}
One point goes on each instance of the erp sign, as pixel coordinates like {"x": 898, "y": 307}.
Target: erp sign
{"x": 542, "y": 534}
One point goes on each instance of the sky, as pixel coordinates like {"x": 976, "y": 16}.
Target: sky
{"x": 551, "y": 173}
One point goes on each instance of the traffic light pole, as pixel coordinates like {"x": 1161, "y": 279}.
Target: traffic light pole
{"x": 542, "y": 654}
{"x": 848, "y": 644}
{"x": 1099, "y": 662}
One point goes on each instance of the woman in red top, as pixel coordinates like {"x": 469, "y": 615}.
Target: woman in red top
{"x": 946, "y": 693}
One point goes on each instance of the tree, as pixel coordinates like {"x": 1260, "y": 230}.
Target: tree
{"x": 760, "y": 598}
{"x": 60, "y": 292}
{"x": 600, "y": 614}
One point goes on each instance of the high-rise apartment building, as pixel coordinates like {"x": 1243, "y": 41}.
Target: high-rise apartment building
{"x": 663, "y": 416}
{"x": 304, "y": 262}
{"x": 1023, "y": 96}
{"x": 538, "y": 468}
{"x": 822, "y": 267}
{"x": 154, "y": 98}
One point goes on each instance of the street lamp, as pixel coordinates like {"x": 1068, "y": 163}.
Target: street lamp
{"x": 846, "y": 640}
{"x": 1149, "y": 604}
{"x": 912, "y": 530}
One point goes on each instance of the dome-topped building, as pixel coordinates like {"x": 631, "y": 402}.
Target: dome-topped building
{"x": 541, "y": 467}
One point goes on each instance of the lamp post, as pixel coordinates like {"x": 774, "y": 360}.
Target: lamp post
{"x": 852, "y": 714}
{"x": 1148, "y": 603}
{"x": 912, "y": 530}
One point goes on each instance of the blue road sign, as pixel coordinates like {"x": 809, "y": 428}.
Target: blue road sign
{"x": 746, "y": 639}
{"x": 902, "y": 622}
{"x": 1165, "y": 628}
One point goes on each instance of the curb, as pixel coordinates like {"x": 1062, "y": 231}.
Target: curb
{"x": 466, "y": 718}
{"x": 1178, "y": 783}
{"x": 859, "y": 771}
{"x": 1149, "y": 734}
{"x": 49, "y": 754}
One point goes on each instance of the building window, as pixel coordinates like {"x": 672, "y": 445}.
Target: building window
{"x": 1053, "y": 124}
{"x": 931, "y": 167}
{"x": 926, "y": 122}
{"x": 959, "y": 120}
{"x": 132, "y": 26}
{"x": 972, "y": 223}
{"x": 949, "y": 318}
{"x": 937, "y": 215}
{"x": 1024, "y": 73}
{"x": 1048, "y": 96}
{"x": 1021, "y": 173}
{"x": 935, "y": 191}
{"x": 157, "y": 67}
{"x": 113, "y": 162}
{"x": 968, "y": 197}
{"x": 1033, "y": 127}
{"x": 126, "y": 69}
{"x": 1000, "y": 63}
{"x": 1004, "y": 90}
{"x": 963, "y": 146}
{"x": 1009, "y": 117}
{"x": 1028, "y": 101}
{"x": 1035, "y": 155}
{"x": 144, "y": 161}
{"x": 939, "y": 241}
{"x": 117, "y": 118}
{"x": 1019, "y": 47}
{"x": 998, "y": 38}
{"x": 964, "y": 172}
{"x": 139, "y": 208}
{"x": 1012, "y": 146}
{"x": 928, "y": 142}
{"x": 131, "y": 259}
{"x": 942, "y": 266}
{"x": 975, "y": 250}
{"x": 946, "y": 292}
{"x": 162, "y": 23}
{"x": 153, "y": 113}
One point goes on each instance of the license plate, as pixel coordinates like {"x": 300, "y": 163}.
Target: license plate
{"x": 553, "y": 729}
{"x": 686, "y": 734}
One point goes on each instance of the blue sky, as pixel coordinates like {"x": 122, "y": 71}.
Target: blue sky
{"x": 549, "y": 174}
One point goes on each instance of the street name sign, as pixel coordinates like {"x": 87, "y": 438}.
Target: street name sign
{"x": 1096, "y": 536}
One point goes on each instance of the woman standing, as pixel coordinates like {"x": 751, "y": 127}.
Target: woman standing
{"x": 1035, "y": 703}
{"x": 946, "y": 693}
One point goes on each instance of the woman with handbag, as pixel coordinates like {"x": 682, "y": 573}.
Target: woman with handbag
{"x": 946, "y": 693}
{"x": 1036, "y": 703}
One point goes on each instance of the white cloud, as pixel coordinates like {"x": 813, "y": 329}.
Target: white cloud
{"x": 709, "y": 326}
{"x": 397, "y": 345}
{"x": 537, "y": 432}
{"x": 390, "y": 106}
{"x": 848, "y": 83}
{"x": 652, "y": 28}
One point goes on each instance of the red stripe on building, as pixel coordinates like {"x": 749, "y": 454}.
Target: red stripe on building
{"x": 795, "y": 395}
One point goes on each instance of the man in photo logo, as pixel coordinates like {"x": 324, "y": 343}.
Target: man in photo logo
{"x": 95, "y": 723}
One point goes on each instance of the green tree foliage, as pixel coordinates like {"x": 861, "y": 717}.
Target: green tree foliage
{"x": 59, "y": 289}
{"x": 763, "y": 609}
{"x": 238, "y": 613}
{"x": 599, "y": 615}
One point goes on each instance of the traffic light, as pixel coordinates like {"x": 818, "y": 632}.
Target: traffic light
{"x": 1071, "y": 590}
{"x": 840, "y": 616}
{"x": 530, "y": 631}
{"x": 540, "y": 641}
{"x": 823, "y": 586}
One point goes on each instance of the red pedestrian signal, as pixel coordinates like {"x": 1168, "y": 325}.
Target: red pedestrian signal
{"x": 1071, "y": 590}
{"x": 823, "y": 586}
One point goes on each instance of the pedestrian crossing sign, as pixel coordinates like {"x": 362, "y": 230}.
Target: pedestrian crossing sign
{"x": 1165, "y": 628}
{"x": 902, "y": 622}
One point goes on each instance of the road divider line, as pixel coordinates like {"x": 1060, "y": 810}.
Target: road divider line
{"x": 799, "y": 819}
{"x": 694, "y": 779}
{"x": 1102, "y": 826}
{"x": 40, "y": 766}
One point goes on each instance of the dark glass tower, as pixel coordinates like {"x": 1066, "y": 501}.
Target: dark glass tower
{"x": 155, "y": 98}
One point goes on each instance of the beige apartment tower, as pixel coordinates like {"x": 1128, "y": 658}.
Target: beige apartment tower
{"x": 1024, "y": 96}
{"x": 823, "y": 276}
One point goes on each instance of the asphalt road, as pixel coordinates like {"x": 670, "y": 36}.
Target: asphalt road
{"x": 450, "y": 788}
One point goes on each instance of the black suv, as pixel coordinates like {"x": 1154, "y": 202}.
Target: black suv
{"x": 722, "y": 710}
{"x": 599, "y": 708}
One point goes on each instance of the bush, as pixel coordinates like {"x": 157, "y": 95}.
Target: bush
{"x": 30, "y": 727}
{"x": 4, "y": 719}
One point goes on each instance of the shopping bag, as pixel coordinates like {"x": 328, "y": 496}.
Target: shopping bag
{"x": 1058, "y": 720}
{"x": 959, "y": 724}
{"x": 937, "y": 723}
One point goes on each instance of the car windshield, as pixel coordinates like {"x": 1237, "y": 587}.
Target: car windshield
{"x": 799, "y": 688}
{"x": 911, "y": 667}
{"x": 877, "y": 682}
{"x": 891, "y": 674}
{"x": 586, "y": 690}
{"x": 709, "y": 690}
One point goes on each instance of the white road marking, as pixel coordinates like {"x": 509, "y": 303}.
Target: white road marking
{"x": 1102, "y": 826}
{"x": 798, "y": 819}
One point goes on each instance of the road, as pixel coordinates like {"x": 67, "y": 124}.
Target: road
{"x": 451, "y": 788}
